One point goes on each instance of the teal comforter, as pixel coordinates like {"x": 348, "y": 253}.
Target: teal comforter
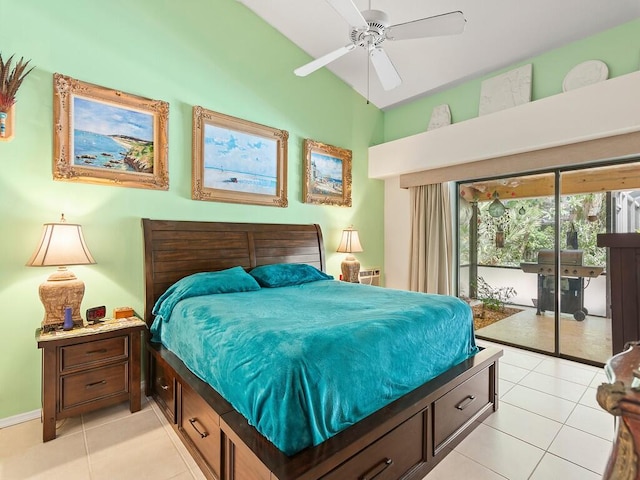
{"x": 303, "y": 362}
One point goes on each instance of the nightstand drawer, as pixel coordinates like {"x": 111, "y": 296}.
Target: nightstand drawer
{"x": 75, "y": 356}
{"x": 98, "y": 383}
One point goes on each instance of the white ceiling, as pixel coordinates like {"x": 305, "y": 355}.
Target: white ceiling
{"x": 498, "y": 33}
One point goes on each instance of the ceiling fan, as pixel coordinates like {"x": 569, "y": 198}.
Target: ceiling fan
{"x": 369, "y": 30}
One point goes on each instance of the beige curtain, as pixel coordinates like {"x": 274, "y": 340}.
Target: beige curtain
{"x": 431, "y": 247}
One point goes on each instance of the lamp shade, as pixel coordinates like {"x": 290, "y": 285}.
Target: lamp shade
{"x": 61, "y": 294}
{"x": 350, "y": 241}
{"x": 61, "y": 244}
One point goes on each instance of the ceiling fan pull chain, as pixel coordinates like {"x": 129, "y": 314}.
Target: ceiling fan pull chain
{"x": 368, "y": 65}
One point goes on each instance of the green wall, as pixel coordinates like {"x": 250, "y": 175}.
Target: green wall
{"x": 619, "y": 48}
{"x": 213, "y": 53}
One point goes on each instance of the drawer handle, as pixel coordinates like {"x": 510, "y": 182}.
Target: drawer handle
{"x": 95, "y": 384}
{"x": 466, "y": 402}
{"x": 101, "y": 350}
{"x": 377, "y": 469}
{"x": 192, "y": 421}
{"x": 162, "y": 383}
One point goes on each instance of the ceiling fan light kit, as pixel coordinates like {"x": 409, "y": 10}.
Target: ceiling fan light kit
{"x": 369, "y": 30}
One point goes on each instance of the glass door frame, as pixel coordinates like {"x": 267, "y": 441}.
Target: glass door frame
{"x": 557, "y": 172}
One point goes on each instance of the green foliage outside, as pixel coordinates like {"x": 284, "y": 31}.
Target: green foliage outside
{"x": 528, "y": 227}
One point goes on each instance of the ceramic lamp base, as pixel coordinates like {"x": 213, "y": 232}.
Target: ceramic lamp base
{"x": 62, "y": 289}
{"x": 350, "y": 269}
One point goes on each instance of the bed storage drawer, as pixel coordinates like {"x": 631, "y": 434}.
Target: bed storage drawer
{"x": 200, "y": 426}
{"x": 164, "y": 386}
{"x": 390, "y": 457}
{"x": 457, "y": 407}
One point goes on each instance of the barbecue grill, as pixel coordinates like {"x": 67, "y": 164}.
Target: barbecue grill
{"x": 572, "y": 275}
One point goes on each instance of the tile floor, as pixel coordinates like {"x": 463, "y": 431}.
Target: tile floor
{"x": 548, "y": 426}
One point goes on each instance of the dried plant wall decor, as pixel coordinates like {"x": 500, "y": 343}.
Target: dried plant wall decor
{"x": 10, "y": 81}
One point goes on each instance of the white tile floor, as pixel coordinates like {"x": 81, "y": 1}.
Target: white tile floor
{"x": 548, "y": 427}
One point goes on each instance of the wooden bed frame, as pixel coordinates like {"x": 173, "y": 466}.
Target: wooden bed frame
{"x": 405, "y": 439}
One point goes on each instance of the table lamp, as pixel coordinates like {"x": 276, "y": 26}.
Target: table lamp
{"x": 349, "y": 244}
{"x": 61, "y": 244}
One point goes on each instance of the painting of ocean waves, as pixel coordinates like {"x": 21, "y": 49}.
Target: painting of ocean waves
{"x": 239, "y": 181}
{"x": 97, "y": 150}
{"x": 111, "y": 137}
{"x": 239, "y": 161}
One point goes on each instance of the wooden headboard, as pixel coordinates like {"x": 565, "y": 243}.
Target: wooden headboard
{"x": 175, "y": 249}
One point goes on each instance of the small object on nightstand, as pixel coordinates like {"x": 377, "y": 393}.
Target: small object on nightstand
{"x": 96, "y": 314}
{"x": 123, "y": 312}
{"x": 68, "y": 321}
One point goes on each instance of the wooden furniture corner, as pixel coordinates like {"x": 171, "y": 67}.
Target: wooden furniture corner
{"x": 89, "y": 368}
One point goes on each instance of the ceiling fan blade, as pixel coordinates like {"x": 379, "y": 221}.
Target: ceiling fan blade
{"x": 320, "y": 62}
{"x": 347, "y": 10}
{"x": 387, "y": 73}
{"x": 451, "y": 23}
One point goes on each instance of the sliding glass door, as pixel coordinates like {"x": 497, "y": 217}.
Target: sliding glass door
{"x": 528, "y": 260}
{"x": 506, "y": 243}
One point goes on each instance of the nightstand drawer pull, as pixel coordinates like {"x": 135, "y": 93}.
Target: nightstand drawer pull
{"x": 164, "y": 387}
{"x": 377, "y": 469}
{"x": 466, "y": 402}
{"x": 95, "y": 384}
{"x": 101, "y": 350}
{"x": 204, "y": 434}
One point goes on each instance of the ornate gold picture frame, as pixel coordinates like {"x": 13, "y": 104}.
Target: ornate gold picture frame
{"x": 327, "y": 174}
{"x": 238, "y": 161}
{"x": 108, "y": 137}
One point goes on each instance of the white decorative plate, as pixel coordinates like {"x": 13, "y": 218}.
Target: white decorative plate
{"x": 585, "y": 73}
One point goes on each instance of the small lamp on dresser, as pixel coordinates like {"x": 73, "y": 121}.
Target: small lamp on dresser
{"x": 349, "y": 244}
{"x": 61, "y": 244}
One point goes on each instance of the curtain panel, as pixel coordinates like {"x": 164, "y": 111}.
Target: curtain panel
{"x": 431, "y": 255}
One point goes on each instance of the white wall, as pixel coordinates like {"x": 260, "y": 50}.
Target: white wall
{"x": 577, "y": 116}
{"x": 596, "y": 111}
{"x": 397, "y": 234}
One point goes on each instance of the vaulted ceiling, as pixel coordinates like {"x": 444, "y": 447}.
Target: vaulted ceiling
{"x": 498, "y": 33}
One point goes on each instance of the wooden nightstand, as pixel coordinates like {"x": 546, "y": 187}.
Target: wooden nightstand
{"x": 88, "y": 368}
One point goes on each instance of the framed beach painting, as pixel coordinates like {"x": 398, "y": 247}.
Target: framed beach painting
{"x": 108, "y": 137}
{"x": 327, "y": 174}
{"x": 238, "y": 161}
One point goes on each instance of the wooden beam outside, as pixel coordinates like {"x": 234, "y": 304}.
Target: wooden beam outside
{"x": 583, "y": 153}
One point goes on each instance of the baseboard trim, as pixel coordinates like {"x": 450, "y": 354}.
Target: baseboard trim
{"x": 20, "y": 418}
{"x": 27, "y": 416}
